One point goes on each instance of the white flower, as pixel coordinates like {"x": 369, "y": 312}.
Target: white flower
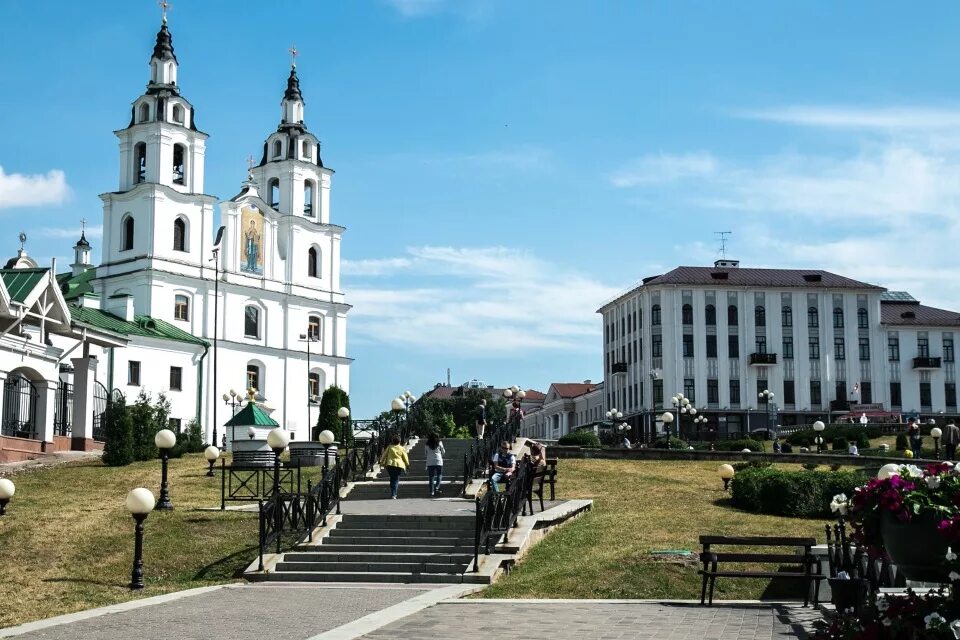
{"x": 912, "y": 471}
{"x": 933, "y": 482}
{"x": 955, "y": 627}
{"x": 954, "y": 576}
{"x": 840, "y": 504}
{"x": 934, "y": 620}
{"x": 956, "y": 469}
{"x": 951, "y": 556}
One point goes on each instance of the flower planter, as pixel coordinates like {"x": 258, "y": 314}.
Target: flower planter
{"x": 916, "y": 547}
{"x": 849, "y": 595}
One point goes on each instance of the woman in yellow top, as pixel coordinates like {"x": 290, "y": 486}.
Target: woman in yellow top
{"x": 395, "y": 460}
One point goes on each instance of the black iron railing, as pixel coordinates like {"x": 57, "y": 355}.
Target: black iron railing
{"x": 926, "y": 363}
{"x": 249, "y": 483}
{"x": 295, "y": 515}
{"x": 497, "y": 512}
{"x": 859, "y": 564}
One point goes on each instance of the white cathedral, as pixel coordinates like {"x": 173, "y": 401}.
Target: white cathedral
{"x": 253, "y": 303}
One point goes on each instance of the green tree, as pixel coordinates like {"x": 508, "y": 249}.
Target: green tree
{"x": 118, "y": 447}
{"x": 334, "y": 398}
{"x": 144, "y": 428}
{"x": 189, "y": 440}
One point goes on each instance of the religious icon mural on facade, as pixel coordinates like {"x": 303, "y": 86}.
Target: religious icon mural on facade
{"x": 251, "y": 240}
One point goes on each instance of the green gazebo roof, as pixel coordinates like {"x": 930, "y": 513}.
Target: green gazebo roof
{"x": 251, "y": 416}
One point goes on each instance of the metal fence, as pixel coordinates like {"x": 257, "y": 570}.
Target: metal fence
{"x": 250, "y": 483}
{"x": 63, "y": 410}
{"x": 19, "y": 408}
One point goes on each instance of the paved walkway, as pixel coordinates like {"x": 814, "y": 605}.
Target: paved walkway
{"x": 411, "y": 612}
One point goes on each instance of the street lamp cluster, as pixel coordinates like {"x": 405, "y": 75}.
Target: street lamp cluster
{"x": 818, "y": 427}
{"x": 683, "y": 406}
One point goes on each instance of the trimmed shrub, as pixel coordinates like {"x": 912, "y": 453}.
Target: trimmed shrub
{"x": 840, "y": 444}
{"x": 903, "y": 443}
{"x": 739, "y": 445}
{"x": 853, "y": 433}
{"x": 118, "y": 445}
{"x": 189, "y": 440}
{"x": 752, "y": 464}
{"x": 795, "y": 494}
{"x": 334, "y": 398}
{"x": 675, "y": 443}
{"x": 582, "y": 438}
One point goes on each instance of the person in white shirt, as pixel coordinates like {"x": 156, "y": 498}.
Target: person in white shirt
{"x": 435, "y": 453}
{"x": 852, "y": 449}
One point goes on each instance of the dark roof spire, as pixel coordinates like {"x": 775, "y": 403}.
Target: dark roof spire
{"x": 82, "y": 242}
{"x": 163, "y": 50}
{"x": 293, "y": 86}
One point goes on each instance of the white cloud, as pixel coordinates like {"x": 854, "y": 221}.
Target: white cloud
{"x": 664, "y": 168}
{"x": 479, "y": 301}
{"x": 67, "y": 232}
{"x": 373, "y": 267}
{"x": 19, "y": 190}
{"x": 851, "y": 117}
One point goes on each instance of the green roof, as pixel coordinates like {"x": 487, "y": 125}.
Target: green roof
{"x": 21, "y": 282}
{"x": 75, "y": 286}
{"x": 146, "y": 326}
{"x": 251, "y": 416}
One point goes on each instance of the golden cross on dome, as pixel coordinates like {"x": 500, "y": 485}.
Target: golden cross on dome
{"x": 164, "y": 6}
{"x": 293, "y": 56}
{"x": 83, "y": 225}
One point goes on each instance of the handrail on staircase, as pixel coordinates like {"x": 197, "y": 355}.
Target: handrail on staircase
{"x": 476, "y": 460}
{"x": 497, "y": 512}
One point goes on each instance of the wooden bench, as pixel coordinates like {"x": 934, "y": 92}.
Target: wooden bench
{"x": 806, "y": 561}
{"x": 545, "y": 475}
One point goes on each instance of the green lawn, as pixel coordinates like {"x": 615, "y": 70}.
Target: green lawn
{"x": 639, "y": 507}
{"x": 66, "y": 542}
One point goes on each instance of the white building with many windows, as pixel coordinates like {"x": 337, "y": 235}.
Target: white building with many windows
{"x": 822, "y": 344}
{"x": 252, "y": 302}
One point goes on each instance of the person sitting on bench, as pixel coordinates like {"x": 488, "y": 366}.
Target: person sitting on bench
{"x": 502, "y": 465}
{"x": 538, "y": 456}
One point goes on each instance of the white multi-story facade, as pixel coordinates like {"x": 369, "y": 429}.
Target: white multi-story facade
{"x": 565, "y": 407}
{"x": 260, "y": 293}
{"x": 820, "y": 342}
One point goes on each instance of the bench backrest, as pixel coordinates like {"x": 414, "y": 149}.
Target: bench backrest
{"x": 758, "y": 541}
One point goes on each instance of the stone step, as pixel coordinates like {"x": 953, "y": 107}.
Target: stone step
{"x": 346, "y": 576}
{"x": 342, "y": 556}
{"x": 409, "y": 490}
{"x": 401, "y": 540}
{"x": 407, "y": 522}
{"x": 374, "y": 567}
{"x": 374, "y": 548}
{"x": 399, "y": 533}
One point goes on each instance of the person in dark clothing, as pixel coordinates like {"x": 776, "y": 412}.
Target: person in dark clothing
{"x": 951, "y": 438}
{"x": 481, "y": 418}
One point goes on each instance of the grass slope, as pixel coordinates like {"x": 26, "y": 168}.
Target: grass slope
{"x": 639, "y": 506}
{"x": 66, "y": 542}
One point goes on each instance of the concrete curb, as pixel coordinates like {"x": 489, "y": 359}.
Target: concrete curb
{"x": 382, "y": 618}
{"x": 102, "y": 611}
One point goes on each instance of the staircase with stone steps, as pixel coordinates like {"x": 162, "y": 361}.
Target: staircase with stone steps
{"x": 413, "y": 483}
{"x": 385, "y": 548}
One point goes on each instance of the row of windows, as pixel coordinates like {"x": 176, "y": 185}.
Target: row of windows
{"x": 733, "y": 347}
{"x": 254, "y": 377}
{"x": 923, "y": 348}
{"x": 128, "y": 229}
{"x": 176, "y": 116}
{"x": 733, "y": 317}
{"x": 306, "y": 150}
{"x": 273, "y": 189}
{"x": 251, "y": 318}
{"x": 140, "y": 163}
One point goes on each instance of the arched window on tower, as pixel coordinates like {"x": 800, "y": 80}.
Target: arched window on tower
{"x": 254, "y": 379}
{"x": 314, "y": 382}
{"x": 181, "y": 307}
{"x": 178, "y": 114}
{"x": 179, "y": 151}
{"x": 144, "y": 112}
{"x": 308, "y": 198}
{"x": 139, "y": 162}
{"x": 251, "y": 322}
{"x": 313, "y": 263}
{"x": 179, "y": 235}
{"x": 306, "y": 150}
{"x": 126, "y": 233}
{"x": 277, "y": 149}
{"x": 273, "y": 188}
{"x": 313, "y": 327}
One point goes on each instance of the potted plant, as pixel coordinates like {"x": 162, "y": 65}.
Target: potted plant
{"x": 910, "y": 514}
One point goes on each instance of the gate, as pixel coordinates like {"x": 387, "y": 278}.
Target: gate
{"x": 19, "y": 407}
{"x": 63, "y": 410}
{"x": 100, "y": 401}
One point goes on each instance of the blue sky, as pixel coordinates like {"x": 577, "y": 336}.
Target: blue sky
{"x": 505, "y": 167}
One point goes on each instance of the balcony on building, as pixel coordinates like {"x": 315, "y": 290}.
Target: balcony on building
{"x": 763, "y": 359}
{"x": 619, "y": 367}
{"x": 924, "y": 362}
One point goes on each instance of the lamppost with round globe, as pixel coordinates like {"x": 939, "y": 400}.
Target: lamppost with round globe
{"x": 165, "y": 440}
{"x": 515, "y": 396}
{"x": 935, "y": 433}
{"x": 346, "y": 433}
{"x": 726, "y": 472}
{"x": 622, "y": 429}
{"x": 140, "y": 503}
{"x": 7, "y": 489}
{"x": 251, "y": 432}
{"x": 667, "y": 419}
{"x": 211, "y": 453}
{"x": 327, "y": 439}
{"x": 277, "y": 440}
{"x": 397, "y": 406}
{"x": 699, "y": 422}
{"x": 683, "y": 406}
{"x": 614, "y": 416}
{"x": 818, "y": 428}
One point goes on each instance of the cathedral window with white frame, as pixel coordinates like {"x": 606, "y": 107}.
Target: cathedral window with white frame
{"x": 308, "y": 198}
{"x": 126, "y": 233}
{"x": 313, "y": 327}
{"x": 306, "y": 149}
{"x": 254, "y": 377}
{"x": 273, "y": 189}
{"x": 314, "y": 384}
{"x": 313, "y": 263}
{"x": 140, "y": 162}
{"x": 177, "y": 114}
{"x": 179, "y": 234}
{"x": 179, "y": 153}
{"x": 277, "y": 149}
{"x": 144, "y": 112}
{"x": 181, "y": 307}
{"x": 251, "y": 322}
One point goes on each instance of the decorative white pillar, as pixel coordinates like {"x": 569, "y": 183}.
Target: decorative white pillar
{"x": 46, "y": 408}
{"x": 84, "y": 377}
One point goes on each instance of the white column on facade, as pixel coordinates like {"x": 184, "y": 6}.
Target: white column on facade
{"x": 46, "y": 403}
{"x": 84, "y": 376}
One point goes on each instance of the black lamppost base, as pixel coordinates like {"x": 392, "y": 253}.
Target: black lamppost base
{"x": 136, "y": 577}
{"x": 726, "y": 483}
{"x": 164, "y": 504}
{"x": 210, "y": 473}
{"x": 3, "y": 506}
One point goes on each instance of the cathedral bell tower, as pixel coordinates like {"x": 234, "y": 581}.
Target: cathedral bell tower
{"x": 291, "y": 176}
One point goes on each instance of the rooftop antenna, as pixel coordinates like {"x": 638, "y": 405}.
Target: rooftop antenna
{"x": 723, "y": 242}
